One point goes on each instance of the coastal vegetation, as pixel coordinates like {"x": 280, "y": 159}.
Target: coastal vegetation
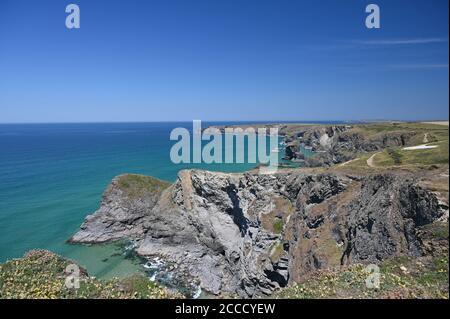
{"x": 41, "y": 274}
{"x": 409, "y": 154}
{"x": 400, "y": 278}
{"x": 396, "y": 157}
{"x": 135, "y": 185}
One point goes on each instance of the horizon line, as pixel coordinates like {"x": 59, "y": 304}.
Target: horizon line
{"x": 232, "y": 121}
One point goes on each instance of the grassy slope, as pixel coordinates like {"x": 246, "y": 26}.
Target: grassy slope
{"x": 41, "y": 275}
{"x": 400, "y": 277}
{"x": 134, "y": 185}
{"x": 397, "y": 157}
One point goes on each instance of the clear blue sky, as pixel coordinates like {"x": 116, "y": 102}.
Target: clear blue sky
{"x": 223, "y": 60}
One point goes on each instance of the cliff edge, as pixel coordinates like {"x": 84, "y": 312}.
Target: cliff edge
{"x": 251, "y": 234}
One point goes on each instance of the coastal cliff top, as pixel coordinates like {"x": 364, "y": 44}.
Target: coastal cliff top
{"x": 41, "y": 274}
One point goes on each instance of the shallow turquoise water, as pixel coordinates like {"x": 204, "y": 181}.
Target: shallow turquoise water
{"x": 53, "y": 175}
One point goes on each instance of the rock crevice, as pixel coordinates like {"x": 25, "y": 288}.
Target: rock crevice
{"x": 251, "y": 234}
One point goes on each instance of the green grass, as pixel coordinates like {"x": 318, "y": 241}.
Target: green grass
{"x": 275, "y": 219}
{"x": 436, "y": 274}
{"x": 278, "y": 225}
{"x": 437, "y": 155}
{"x": 400, "y": 277}
{"x": 403, "y": 126}
{"x": 41, "y": 275}
{"x": 435, "y": 133}
{"x": 395, "y": 157}
{"x": 137, "y": 185}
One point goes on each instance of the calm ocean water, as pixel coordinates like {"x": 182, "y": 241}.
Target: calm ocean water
{"x": 53, "y": 175}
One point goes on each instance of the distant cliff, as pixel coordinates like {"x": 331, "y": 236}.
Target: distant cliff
{"x": 334, "y": 144}
{"x": 338, "y": 144}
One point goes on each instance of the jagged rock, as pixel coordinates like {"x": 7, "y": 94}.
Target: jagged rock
{"x": 121, "y": 212}
{"x": 251, "y": 234}
{"x": 384, "y": 218}
{"x": 340, "y": 143}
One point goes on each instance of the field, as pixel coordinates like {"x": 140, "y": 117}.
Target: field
{"x": 426, "y": 134}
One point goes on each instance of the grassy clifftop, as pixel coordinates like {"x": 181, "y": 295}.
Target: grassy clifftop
{"x": 135, "y": 185}
{"x": 41, "y": 274}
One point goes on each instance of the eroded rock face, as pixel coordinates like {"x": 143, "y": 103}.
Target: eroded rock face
{"x": 384, "y": 216}
{"x": 340, "y": 143}
{"x": 124, "y": 205}
{"x": 251, "y": 234}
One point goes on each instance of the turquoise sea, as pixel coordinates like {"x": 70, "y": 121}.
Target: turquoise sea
{"x": 53, "y": 175}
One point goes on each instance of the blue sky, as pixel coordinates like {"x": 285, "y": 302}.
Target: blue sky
{"x": 223, "y": 60}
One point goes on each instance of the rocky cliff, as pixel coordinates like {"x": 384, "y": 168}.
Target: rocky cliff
{"x": 347, "y": 145}
{"x": 251, "y": 234}
{"x": 338, "y": 143}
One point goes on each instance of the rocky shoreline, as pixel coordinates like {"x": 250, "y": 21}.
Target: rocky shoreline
{"x": 251, "y": 234}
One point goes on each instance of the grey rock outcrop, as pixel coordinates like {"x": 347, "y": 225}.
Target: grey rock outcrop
{"x": 340, "y": 143}
{"x": 121, "y": 213}
{"x": 251, "y": 234}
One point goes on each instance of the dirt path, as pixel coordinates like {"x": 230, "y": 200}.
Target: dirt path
{"x": 348, "y": 162}
{"x": 419, "y": 147}
{"x": 370, "y": 160}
